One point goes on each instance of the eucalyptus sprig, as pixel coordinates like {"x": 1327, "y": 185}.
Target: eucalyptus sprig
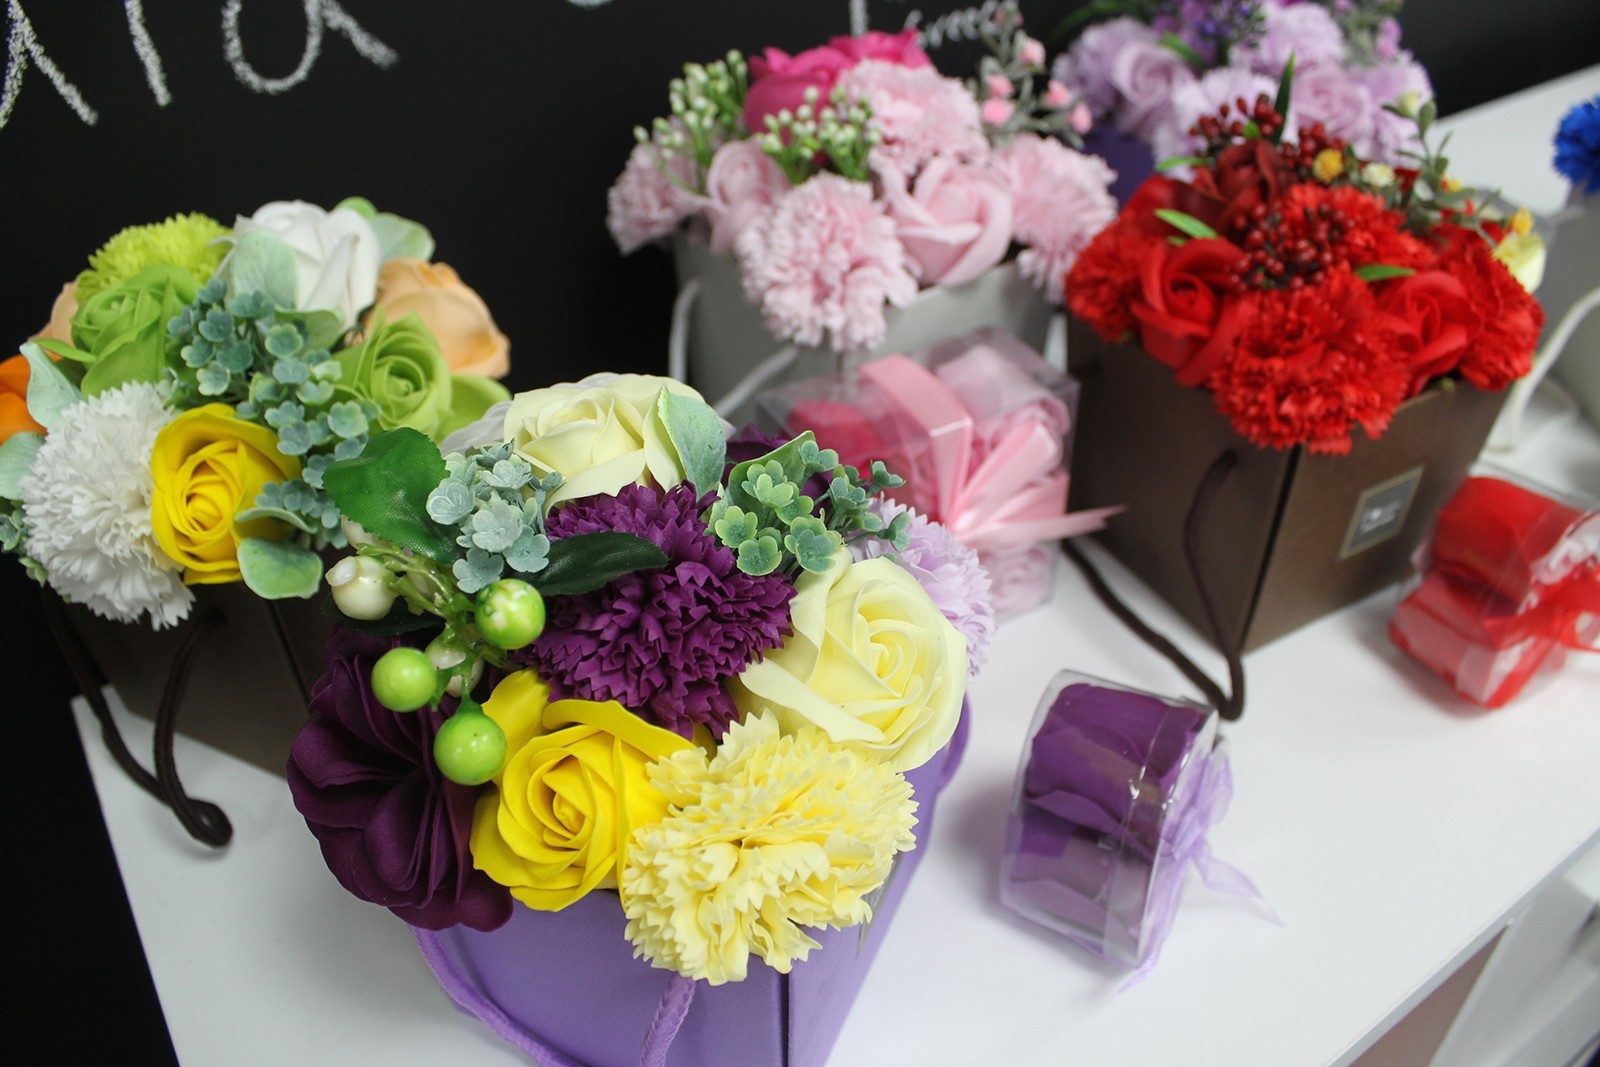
{"x": 766, "y": 518}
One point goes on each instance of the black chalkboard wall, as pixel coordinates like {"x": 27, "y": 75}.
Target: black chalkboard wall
{"x": 498, "y": 123}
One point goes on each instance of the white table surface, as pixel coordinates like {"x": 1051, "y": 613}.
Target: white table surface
{"x": 1393, "y": 829}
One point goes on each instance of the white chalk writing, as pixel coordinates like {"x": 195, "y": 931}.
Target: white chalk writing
{"x": 319, "y": 13}
{"x": 22, "y": 47}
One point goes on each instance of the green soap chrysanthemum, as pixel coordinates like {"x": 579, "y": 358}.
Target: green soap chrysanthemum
{"x": 188, "y": 242}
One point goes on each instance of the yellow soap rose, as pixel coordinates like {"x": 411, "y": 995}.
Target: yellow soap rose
{"x": 453, "y": 313}
{"x": 552, "y": 824}
{"x": 209, "y": 465}
{"x": 600, "y": 434}
{"x": 872, "y": 662}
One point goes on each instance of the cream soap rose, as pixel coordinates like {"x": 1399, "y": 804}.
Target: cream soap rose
{"x": 600, "y": 434}
{"x": 871, "y": 662}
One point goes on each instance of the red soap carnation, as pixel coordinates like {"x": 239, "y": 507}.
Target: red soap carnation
{"x": 1104, "y": 281}
{"x": 1310, "y": 362}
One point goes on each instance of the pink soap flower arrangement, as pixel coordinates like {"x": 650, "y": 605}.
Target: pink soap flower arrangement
{"x": 846, "y": 178}
{"x": 1157, "y": 66}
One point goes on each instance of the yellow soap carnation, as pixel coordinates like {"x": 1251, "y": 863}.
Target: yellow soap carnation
{"x": 772, "y": 834}
{"x": 208, "y": 465}
{"x": 552, "y": 824}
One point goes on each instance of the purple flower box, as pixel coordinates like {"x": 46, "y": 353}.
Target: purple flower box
{"x": 564, "y": 986}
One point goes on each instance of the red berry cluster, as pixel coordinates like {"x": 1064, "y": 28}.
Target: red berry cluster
{"x": 1284, "y": 252}
{"x": 1225, "y": 128}
{"x": 1314, "y": 140}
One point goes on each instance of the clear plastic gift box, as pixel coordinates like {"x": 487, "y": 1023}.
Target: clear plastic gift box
{"x": 979, "y": 426}
{"x": 1114, "y": 796}
{"x": 1505, "y": 587}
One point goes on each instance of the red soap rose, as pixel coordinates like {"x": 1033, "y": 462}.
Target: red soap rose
{"x": 1512, "y": 318}
{"x": 1187, "y": 310}
{"x": 1437, "y": 323}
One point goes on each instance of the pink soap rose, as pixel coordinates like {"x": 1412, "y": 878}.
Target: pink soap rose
{"x": 779, "y": 81}
{"x": 740, "y": 184}
{"x": 955, "y": 224}
{"x": 899, "y": 48}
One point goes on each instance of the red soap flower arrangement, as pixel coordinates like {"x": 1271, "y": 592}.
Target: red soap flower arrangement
{"x": 1311, "y": 291}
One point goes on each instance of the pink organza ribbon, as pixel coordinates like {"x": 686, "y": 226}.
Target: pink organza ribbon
{"x": 995, "y": 489}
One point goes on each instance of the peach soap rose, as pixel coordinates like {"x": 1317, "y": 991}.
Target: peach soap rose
{"x": 453, "y": 313}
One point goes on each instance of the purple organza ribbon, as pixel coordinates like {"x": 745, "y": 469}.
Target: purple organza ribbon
{"x": 1188, "y": 845}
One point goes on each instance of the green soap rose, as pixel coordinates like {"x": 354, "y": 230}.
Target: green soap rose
{"x": 398, "y": 366}
{"x": 122, "y": 331}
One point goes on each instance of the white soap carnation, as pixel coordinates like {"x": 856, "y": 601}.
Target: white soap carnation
{"x": 87, "y": 502}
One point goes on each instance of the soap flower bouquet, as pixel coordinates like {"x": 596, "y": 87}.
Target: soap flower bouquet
{"x": 1311, "y": 290}
{"x": 704, "y": 667}
{"x": 847, "y": 177}
{"x": 1153, "y": 68}
{"x": 172, "y": 424}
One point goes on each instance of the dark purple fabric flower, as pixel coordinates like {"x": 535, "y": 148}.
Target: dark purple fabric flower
{"x": 659, "y": 642}
{"x": 393, "y": 830}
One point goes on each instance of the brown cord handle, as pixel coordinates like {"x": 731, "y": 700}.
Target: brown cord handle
{"x": 205, "y": 821}
{"x": 1229, "y": 705}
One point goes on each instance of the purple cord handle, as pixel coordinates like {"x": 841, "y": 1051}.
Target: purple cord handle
{"x": 670, "y": 1013}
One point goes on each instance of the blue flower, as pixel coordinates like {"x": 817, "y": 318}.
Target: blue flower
{"x": 1578, "y": 146}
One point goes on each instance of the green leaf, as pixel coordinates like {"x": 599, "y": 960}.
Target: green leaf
{"x": 1377, "y": 272}
{"x": 400, "y": 238}
{"x": 49, "y": 391}
{"x": 787, "y": 456}
{"x": 16, "y": 459}
{"x": 583, "y": 563}
{"x": 760, "y": 555}
{"x": 1185, "y": 222}
{"x": 262, "y": 262}
{"x": 1285, "y": 91}
{"x": 293, "y": 518}
{"x": 386, "y": 488}
{"x": 279, "y": 570}
{"x": 1174, "y": 43}
{"x": 696, "y": 432}
{"x": 1181, "y": 161}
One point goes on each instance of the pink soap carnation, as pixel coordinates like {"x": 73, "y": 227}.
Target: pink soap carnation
{"x": 823, "y": 262}
{"x": 1059, "y": 202}
{"x": 920, "y": 114}
{"x": 955, "y": 223}
{"x": 644, "y": 204}
{"x": 740, "y": 184}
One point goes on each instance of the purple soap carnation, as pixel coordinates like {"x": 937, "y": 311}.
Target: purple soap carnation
{"x": 393, "y": 830}
{"x": 659, "y": 642}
